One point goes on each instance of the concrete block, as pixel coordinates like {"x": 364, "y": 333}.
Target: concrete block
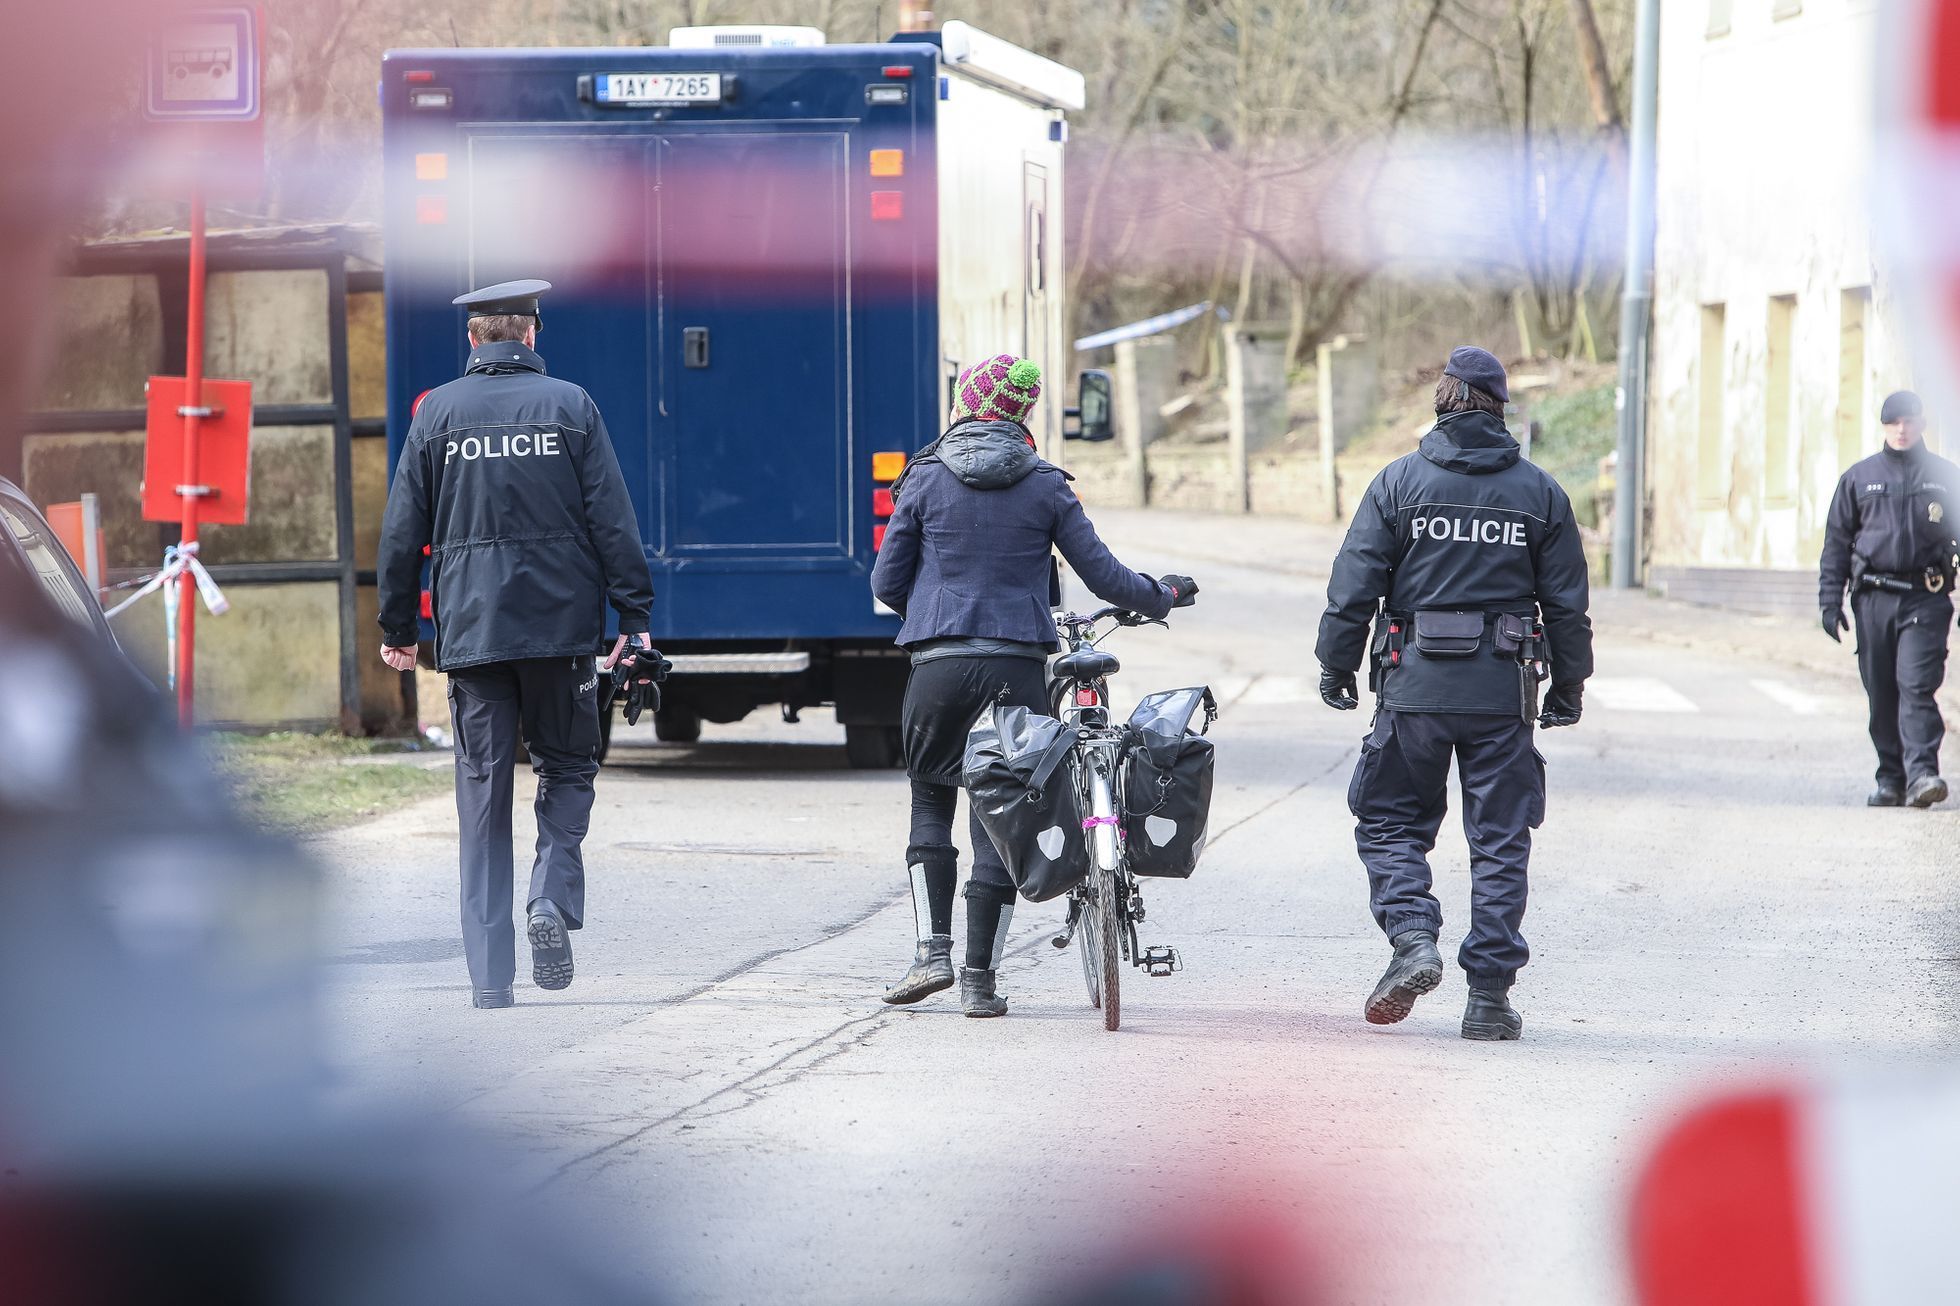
{"x": 107, "y": 340}
{"x": 273, "y": 660}
{"x": 367, "y": 356}
{"x": 108, "y": 464}
{"x": 1146, "y": 379}
{"x": 270, "y": 328}
{"x": 370, "y": 459}
{"x": 1255, "y": 395}
{"x": 291, "y": 513}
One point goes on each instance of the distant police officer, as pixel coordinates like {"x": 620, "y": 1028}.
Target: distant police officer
{"x": 1475, "y": 561}
{"x": 509, "y": 478}
{"x": 1890, "y": 538}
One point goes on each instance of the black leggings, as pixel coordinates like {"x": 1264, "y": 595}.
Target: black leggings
{"x": 932, "y": 827}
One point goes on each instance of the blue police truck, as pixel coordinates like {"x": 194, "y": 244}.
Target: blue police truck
{"x": 770, "y": 257}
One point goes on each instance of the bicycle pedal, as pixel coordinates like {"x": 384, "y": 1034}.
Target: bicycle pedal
{"x": 1159, "y": 962}
{"x": 1060, "y": 940}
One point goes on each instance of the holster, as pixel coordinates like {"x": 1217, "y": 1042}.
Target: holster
{"x": 1522, "y": 638}
{"x": 1385, "y": 649}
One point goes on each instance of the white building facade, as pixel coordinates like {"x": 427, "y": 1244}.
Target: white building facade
{"x": 1776, "y": 334}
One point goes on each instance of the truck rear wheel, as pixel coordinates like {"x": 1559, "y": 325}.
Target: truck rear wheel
{"x": 677, "y": 725}
{"x": 873, "y": 748}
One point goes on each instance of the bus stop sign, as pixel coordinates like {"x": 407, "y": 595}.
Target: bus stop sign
{"x": 204, "y": 66}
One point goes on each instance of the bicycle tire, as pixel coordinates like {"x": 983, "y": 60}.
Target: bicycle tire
{"x": 1108, "y": 927}
{"x": 1087, "y": 934}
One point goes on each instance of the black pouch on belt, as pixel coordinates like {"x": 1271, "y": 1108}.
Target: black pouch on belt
{"x": 1449, "y": 634}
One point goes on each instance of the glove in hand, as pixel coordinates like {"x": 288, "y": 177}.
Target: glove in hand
{"x": 1184, "y": 590}
{"x": 1562, "y": 706}
{"x": 1338, "y": 689}
{"x": 1833, "y": 621}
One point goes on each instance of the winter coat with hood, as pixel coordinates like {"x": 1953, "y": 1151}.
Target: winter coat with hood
{"x": 1464, "y": 524}
{"x": 968, "y": 551}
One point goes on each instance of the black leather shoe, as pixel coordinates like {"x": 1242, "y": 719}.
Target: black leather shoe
{"x": 1489, "y": 1017}
{"x": 551, "y": 946}
{"x": 488, "y": 998}
{"x": 1416, "y": 969}
{"x": 977, "y": 996}
{"x": 1925, "y": 791}
{"x": 932, "y": 972}
{"x": 1885, "y": 796}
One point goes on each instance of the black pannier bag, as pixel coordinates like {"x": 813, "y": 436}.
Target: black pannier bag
{"x": 1018, "y": 781}
{"x": 1167, "y": 784}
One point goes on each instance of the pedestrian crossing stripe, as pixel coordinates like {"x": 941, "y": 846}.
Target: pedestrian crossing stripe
{"x": 1636, "y": 694}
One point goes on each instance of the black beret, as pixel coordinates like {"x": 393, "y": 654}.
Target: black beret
{"x": 1479, "y": 368}
{"x": 518, "y": 298}
{"x": 1900, "y": 404}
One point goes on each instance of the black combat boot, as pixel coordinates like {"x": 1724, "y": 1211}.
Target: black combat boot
{"x": 492, "y": 998}
{"x": 551, "y": 946}
{"x": 1415, "y": 969}
{"x": 977, "y": 996}
{"x": 1925, "y": 791}
{"x": 1885, "y": 796}
{"x": 932, "y": 972}
{"x": 1489, "y": 1017}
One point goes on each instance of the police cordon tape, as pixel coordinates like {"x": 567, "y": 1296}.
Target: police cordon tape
{"x": 177, "y": 559}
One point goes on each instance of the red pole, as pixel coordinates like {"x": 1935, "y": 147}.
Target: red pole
{"x": 193, "y": 411}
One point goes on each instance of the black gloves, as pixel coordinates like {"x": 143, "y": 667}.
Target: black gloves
{"x": 1338, "y": 689}
{"x": 1184, "y": 590}
{"x": 1833, "y": 620}
{"x": 1562, "y": 706}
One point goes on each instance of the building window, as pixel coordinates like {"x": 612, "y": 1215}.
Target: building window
{"x": 1718, "y": 17}
{"x": 1779, "y": 404}
{"x": 1781, "y": 9}
{"x": 1854, "y": 317}
{"x": 1711, "y": 462}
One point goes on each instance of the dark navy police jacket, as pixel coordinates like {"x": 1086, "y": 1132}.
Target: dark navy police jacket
{"x": 508, "y": 475}
{"x": 968, "y": 549}
{"x": 1464, "y": 524}
{"x": 1895, "y": 510}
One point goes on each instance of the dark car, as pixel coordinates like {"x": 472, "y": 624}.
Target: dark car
{"x": 28, "y": 541}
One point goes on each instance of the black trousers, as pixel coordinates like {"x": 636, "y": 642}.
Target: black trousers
{"x": 554, "y": 701}
{"x": 1902, "y": 660}
{"x": 1399, "y": 798}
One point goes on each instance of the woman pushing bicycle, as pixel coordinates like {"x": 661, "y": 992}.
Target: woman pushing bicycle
{"x": 968, "y": 563}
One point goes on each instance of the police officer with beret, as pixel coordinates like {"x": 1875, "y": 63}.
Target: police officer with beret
{"x": 509, "y": 479}
{"x": 1468, "y": 561}
{"x": 1890, "y": 539}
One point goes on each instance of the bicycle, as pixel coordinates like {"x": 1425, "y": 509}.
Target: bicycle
{"x": 1106, "y": 908}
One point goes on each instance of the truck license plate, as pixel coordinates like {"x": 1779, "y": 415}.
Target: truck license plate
{"x": 659, "y": 88}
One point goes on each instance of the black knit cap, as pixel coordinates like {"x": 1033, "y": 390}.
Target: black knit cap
{"x": 1479, "y": 368}
{"x": 1898, "y": 406}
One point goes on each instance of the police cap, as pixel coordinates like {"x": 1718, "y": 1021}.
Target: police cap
{"x": 1898, "y": 406}
{"x": 519, "y": 298}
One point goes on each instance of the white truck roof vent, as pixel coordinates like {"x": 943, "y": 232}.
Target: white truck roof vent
{"x": 753, "y": 37}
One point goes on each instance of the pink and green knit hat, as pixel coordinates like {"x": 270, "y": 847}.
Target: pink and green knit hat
{"x": 1003, "y": 388}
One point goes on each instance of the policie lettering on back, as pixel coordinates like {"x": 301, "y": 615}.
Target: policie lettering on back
{"x": 524, "y": 444}
{"x": 1473, "y": 531}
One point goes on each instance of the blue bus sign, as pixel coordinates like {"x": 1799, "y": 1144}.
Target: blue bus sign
{"x": 204, "y": 66}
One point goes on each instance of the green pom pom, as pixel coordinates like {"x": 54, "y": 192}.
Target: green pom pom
{"x": 1023, "y": 375}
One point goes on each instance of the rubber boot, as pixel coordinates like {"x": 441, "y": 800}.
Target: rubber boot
{"x": 932, "y": 972}
{"x": 1415, "y": 969}
{"x": 977, "y": 996}
{"x": 1489, "y": 1017}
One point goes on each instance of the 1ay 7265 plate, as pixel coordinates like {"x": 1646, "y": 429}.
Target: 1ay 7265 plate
{"x": 626, "y": 89}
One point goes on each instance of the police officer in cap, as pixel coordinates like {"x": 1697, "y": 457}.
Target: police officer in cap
{"x": 1890, "y": 538}
{"x": 1468, "y": 561}
{"x": 509, "y": 479}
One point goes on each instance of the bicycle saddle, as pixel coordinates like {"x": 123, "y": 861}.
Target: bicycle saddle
{"x": 1086, "y": 665}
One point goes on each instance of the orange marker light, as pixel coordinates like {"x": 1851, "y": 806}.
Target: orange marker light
{"x": 888, "y": 163}
{"x": 887, "y": 466}
{"x": 431, "y": 167}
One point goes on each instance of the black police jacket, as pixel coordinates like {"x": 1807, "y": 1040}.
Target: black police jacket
{"x": 509, "y": 477}
{"x": 1462, "y": 525}
{"x": 1895, "y": 510}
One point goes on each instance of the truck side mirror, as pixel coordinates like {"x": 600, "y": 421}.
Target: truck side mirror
{"x": 1091, "y": 413}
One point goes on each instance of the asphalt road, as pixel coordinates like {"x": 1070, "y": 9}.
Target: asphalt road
{"x": 1711, "y": 901}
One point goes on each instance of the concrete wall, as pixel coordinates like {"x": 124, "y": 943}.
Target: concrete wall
{"x": 1764, "y": 178}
